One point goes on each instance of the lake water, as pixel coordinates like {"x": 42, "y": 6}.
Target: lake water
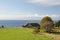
{"x": 14, "y": 23}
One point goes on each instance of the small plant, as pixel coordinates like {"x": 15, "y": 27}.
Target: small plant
{"x": 36, "y": 30}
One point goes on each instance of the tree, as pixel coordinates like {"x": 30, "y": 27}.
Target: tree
{"x": 2, "y": 26}
{"x": 48, "y": 26}
{"x": 47, "y": 23}
{"x": 57, "y": 24}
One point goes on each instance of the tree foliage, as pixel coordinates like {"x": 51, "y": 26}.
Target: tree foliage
{"x": 57, "y": 24}
{"x": 44, "y": 20}
{"x": 47, "y": 23}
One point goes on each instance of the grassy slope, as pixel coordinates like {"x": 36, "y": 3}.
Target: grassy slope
{"x": 20, "y": 34}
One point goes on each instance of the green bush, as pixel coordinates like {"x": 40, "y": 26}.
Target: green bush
{"x": 47, "y": 23}
{"x": 36, "y": 30}
{"x": 57, "y": 24}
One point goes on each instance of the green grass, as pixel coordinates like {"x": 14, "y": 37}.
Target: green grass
{"x": 20, "y": 34}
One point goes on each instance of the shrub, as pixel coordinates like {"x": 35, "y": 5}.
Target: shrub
{"x": 2, "y": 26}
{"x": 57, "y": 24}
{"x": 36, "y": 30}
{"x": 47, "y": 23}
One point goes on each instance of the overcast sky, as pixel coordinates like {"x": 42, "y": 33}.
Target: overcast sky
{"x": 29, "y": 9}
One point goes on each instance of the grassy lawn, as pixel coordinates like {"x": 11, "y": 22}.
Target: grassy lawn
{"x": 20, "y": 34}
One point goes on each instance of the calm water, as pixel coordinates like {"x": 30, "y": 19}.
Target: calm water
{"x": 14, "y": 23}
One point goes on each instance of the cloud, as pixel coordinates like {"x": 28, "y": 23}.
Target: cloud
{"x": 46, "y": 2}
{"x": 26, "y": 17}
